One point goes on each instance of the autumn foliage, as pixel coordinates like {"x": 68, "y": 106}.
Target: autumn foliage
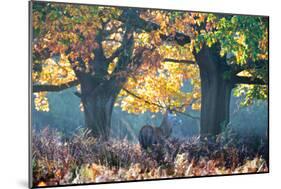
{"x": 146, "y": 61}
{"x": 66, "y": 35}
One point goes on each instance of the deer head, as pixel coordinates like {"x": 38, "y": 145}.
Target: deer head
{"x": 170, "y": 120}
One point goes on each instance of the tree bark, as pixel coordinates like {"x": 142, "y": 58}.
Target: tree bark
{"x": 215, "y": 90}
{"x": 100, "y": 90}
{"x": 98, "y": 106}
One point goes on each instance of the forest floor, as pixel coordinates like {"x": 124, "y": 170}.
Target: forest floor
{"x": 84, "y": 159}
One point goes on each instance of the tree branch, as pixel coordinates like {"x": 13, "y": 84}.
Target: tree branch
{"x": 115, "y": 54}
{"x": 248, "y": 80}
{"x": 54, "y": 88}
{"x": 158, "y": 105}
{"x": 179, "y": 61}
{"x": 249, "y": 65}
{"x": 124, "y": 53}
{"x": 140, "y": 98}
{"x": 149, "y": 26}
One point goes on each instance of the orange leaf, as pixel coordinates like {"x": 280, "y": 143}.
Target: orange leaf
{"x": 42, "y": 183}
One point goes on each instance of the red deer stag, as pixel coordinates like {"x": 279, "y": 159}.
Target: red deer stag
{"x": 151, "y": 135}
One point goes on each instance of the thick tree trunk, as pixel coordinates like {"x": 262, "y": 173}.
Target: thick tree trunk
{"x": 100, "y": 90}
{"x": 215, "y": 91}
{"x": 215, "y": 103}
{"x": 98, "y": 106}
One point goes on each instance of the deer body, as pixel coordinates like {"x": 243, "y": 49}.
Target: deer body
{"x": 151, "y": 135}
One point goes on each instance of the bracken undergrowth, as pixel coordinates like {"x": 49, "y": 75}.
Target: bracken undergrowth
{"x": 81, "y": 158}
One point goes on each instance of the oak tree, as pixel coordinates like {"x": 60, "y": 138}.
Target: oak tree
{"x": 140, "y": 60}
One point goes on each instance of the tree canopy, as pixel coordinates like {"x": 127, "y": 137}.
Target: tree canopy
{"x": 71, "y": 39}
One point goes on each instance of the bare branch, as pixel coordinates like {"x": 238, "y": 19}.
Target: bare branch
{"x": 158, "y": 105}
{"x": 113, "y": 40}
{"x": 179, "y": 61}
{"x": 140, "y": 98}
{"x": 248, "y": 80}
{"x": 54, "y": 88}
